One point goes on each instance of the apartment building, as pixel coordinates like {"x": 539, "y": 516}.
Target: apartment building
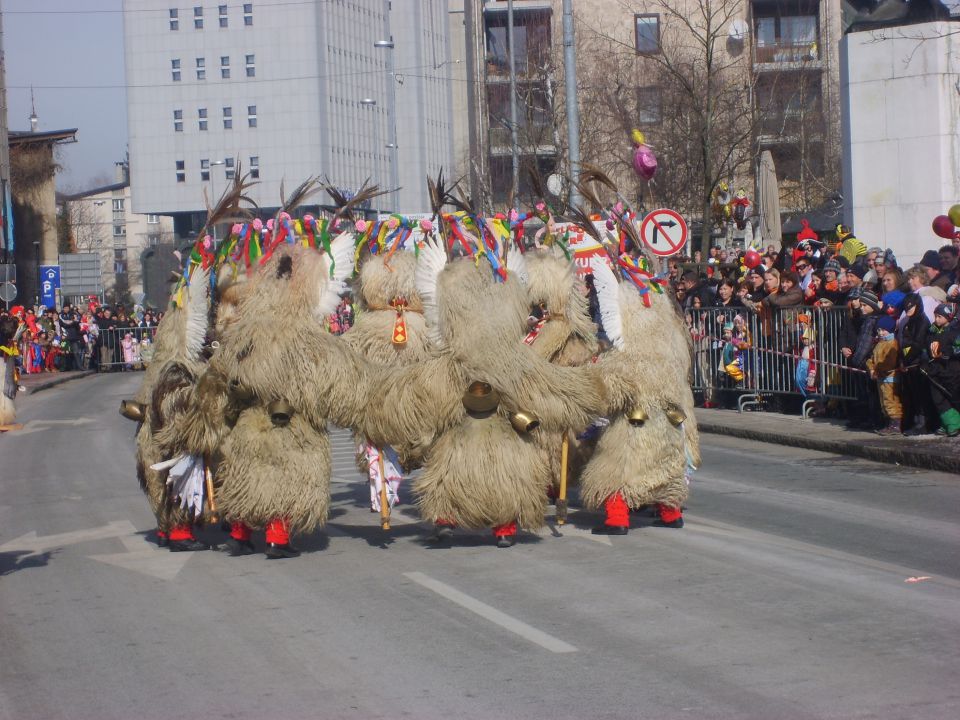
{"x": 344, "y": 89}
{"x": 102, "y": 221}
{"x": 781, "y": 54}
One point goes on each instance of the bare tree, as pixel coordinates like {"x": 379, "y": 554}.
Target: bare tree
{"x": 88, "y": 232}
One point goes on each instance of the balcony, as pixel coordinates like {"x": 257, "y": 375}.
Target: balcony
{"x": 787, "y": 56}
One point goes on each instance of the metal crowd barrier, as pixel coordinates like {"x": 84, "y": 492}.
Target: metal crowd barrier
{"x": 113, "y": 350}
{"x": 793, "y": 351}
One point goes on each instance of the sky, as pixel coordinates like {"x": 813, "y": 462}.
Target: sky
{"x": 71, "y": 52}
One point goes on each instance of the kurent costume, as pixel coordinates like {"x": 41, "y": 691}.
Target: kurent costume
{"x": 651, "y": 445}
{"x": 391, "y": 330}
{"x": 9, "y": 375}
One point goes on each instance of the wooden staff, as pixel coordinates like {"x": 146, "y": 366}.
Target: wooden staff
{"x": 211, "y": 502}
{"x": 562, "y": 498}
{"x": 384, "y": 500}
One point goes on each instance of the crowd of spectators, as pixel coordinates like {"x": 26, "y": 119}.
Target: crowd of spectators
{"x": 96, "y": 337}
{"x": 896, "y": 329}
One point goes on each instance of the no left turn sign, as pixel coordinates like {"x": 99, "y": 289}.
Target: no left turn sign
{"x": 664, "y": 231}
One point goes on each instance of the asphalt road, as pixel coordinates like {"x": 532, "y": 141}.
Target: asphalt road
{"x": 786, "y": 596}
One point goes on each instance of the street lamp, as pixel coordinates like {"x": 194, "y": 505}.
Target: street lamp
{"x": 371, "y": 103}
{"x": 392, "y": 102}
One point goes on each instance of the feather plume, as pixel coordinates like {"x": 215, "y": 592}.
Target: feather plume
{"x": 345, "y": 206}
{"x": 342, "y": 251}
{"x": 593, "y": 174}
{"x": 304, "y": 190}
{"x": 608, "y": 296}
{"x": 197, "y": 309}
{"x": 517, "y": 263}
{"x": 580, "y": 218}
{"x": 432, "y": 260}
{"x": 230, "y": 206}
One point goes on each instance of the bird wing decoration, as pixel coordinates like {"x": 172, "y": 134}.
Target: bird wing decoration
{"x": 338, "y": 266}
{"x": 197, "y": 308}
{"x": 608, "y": 296}
{"x": 517, "y": 263}
{"x": 430, "y": 263}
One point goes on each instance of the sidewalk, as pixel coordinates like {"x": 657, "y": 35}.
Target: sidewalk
{"x": 927, "y": 451}
{"x": 42, "y": 381}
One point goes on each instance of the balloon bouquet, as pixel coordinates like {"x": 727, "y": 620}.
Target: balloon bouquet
{"x": 946, "y": 226}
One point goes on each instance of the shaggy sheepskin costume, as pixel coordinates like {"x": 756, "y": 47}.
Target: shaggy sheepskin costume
{"x": 565, "y": 335}
{"x": 390, "y": 330}
{"x": 163, "y": 399}
{"x": 645, "y": 454}
{"x": 479, "y": 471}
{"x": 9, "y": 379}
{"x": 274, "y": 462}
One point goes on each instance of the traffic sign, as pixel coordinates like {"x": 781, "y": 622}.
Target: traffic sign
{"x": 49, "y": 284}
{"x": 664, "y": 231}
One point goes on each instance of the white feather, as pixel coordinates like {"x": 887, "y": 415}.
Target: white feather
{"x": 197, "y": 307}
{"x": 430, "y": 263}
{"x": 608, "y": 296}
{"x": 517, "y": 264}
{"x": 342, "y": 251}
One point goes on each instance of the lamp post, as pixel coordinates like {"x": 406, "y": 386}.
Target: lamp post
{"x": 213, "y": 193}
{"x": 392, "y": 108}
{"x": 372, "y": 104}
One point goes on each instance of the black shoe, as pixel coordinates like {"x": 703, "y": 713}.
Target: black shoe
{"x": 505, "y": 541}
{"x": 678, "y": 523}
{"x": 191, "y": 545}
{"x": 610, "y": 530}
{"x": 278, "y": 552}
{"x": 442, "y": 534}
{"x": 162, "y": 541}
{"x": 237, "y": 548}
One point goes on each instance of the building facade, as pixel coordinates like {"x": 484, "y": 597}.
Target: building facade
{"x": 284, "y": 91}
{"x": 102, "y": 221}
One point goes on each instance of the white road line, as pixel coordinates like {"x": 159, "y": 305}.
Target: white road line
{"x": 537, "y": 637}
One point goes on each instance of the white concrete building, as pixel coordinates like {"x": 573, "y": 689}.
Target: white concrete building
{"x": 901, "y": 127}
{"x": 102, "y": 221}
{"x": 278, "y": 87}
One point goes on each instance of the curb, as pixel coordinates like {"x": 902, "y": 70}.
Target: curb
{"x": 924, "y": 459}
{"x": 54, "y": 381}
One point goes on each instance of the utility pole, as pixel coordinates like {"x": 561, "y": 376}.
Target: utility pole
{"x": 6, "y": 238}
{"x": 514, "y": 151}
{"x": 573, "y": 113}
{"x": 473, "y": 119}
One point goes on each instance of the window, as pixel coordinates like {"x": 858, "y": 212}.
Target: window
{"x": 181, "y": 172}
{"x": 175, "y": 69}
{"x": 205, "y": 170}
{"x": 198, "y": 18}
{"x": 229, "y": 170}
{"x": 225, "y": 67}
{"x": 647, "y": 33}
{"x": 254, "y": 167}
{"x": 222, "y": 10}
{"x": 786, "y": 31}
{"x": 153, "y": 240}
{"x": 649, "y": 105}
{"x": 228, "y": 118}
{"x": 119, "y": 260}
{"x": 120, "y": 254}
{"x": 248, "y": 14}
{"x": 201, "y": 69}
{"x": 178, "y": 120}
{"x": 119, "y": 230}
{"x": 202, "y": 118}
{"x": 251, "y": 116}
{"x": 251, "y": 70}
{"x": 118, "y": 205}
{"x": 531, "y": 40}
{"x": 153, "y": 219}
{"x": 174, "y": 19}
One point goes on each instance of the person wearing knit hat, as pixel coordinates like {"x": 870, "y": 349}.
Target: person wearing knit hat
{"x": 943, "y": 368}
{"x": 930, "y": 262}
{"x": 832, "y": 266}
{"x": 882, "y": 366}
{"x": 893, "y": 303}
{"x": 867, "y": 297}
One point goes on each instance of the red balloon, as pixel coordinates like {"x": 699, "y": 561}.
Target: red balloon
{"x": 943, "y": 226}
{"x": 751, "y": 259}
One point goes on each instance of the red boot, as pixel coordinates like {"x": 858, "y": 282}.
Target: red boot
{"x": 181, "y": 539}
{"x": 240, "y": 542}
{"x": 278, "y": 540}
{"x": 671, "y": 517}
{"x": 505, "y": 534}
{"x": 618, "y": 517}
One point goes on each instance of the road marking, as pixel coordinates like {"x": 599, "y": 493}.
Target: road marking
{"x": 146, "y": 558}
{"x": 32, "y": 544}
{"x": 537, "y": 637}
{"x": 33, "y": 426}
{"x": 714, "y": 527}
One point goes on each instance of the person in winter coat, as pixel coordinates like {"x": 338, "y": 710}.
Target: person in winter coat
{"x": 943, "y": 368}
{"x": 882, "y": 366}
{"x": 856, "y": 344}
{"x": 918, "y": 410}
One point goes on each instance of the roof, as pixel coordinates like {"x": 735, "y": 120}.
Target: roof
{"x": 98, "y": 190}
{"x": 25, "y": 137}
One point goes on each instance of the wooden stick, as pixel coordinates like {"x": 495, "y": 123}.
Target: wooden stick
{"x": 562, "y": 499}
{"x": 211, "y": 501}
{"x": 384, "y": 500}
